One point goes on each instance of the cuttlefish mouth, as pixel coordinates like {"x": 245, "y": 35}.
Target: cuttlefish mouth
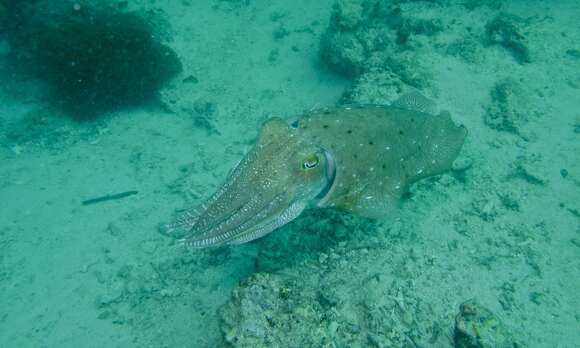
{"x": 257, "y": 198}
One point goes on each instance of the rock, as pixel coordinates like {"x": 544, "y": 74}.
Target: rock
{"x": 283, "y": 310}
{"x": 478, "y": 327}
{"x": 376, "y": 36}
{"x": 528, "y": 168}
{"x": 264, "y": 312}
{"x": 113, "y": 229}
{"x": 486, "y": 208}
{"x": 375, "y": 87}
{"x": 508, "y": 31}
{"x": 509, "y": 109}
{"x": 468, "y": 49}
{"x": 349, "y": 13}
{"x": 509, "y": 199}
{"x": 462, "y": 164}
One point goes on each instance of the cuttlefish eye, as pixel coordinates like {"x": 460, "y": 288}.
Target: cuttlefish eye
{"x": 310, "y": 162}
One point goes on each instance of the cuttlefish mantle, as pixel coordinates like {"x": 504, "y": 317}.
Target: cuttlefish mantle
{"x": 360, "y": 159}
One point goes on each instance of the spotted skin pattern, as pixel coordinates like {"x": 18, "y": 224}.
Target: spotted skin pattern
{"x": 359, "y": 159}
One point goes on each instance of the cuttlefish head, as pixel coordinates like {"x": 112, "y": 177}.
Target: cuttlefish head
{"x": 270, "y": 187}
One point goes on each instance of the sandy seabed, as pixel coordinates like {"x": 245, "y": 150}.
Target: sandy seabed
{"x": 501, "y": 229}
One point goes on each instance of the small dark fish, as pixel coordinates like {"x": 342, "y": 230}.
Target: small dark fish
{"x": 109, "y": 197}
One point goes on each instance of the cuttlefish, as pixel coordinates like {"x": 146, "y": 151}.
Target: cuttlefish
{"x": 360, "y": 159}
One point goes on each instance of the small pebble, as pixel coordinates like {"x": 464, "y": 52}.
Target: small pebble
{"x": 462, "y": 164}
{"x": 148, "y": 247}
{"x": 113, "y": 230}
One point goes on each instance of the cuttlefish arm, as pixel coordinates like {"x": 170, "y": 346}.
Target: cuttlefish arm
{"x": 356, "y": 159}
{"x": 270, "y": 187}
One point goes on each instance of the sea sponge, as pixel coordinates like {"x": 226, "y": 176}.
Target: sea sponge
{"x": 95, "y": 60}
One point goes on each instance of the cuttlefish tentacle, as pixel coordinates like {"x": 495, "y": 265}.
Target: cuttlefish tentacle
{"x": 209, "y": 213}
{"x": 245, "y": 217}
{"x": 262, "y": 223}
{"x": 359, "y": 159}
{"x": 289, "y": 214}
{"x": 190, "y": 217}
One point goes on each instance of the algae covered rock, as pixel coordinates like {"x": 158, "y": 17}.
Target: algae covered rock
{"x": 375, "y": 87}
{"x": 508, "y": 31}
{"x": 267, "y": 312}
{"x": 509, "y": 109}
{"x": 331, "y": 302}
{"x": 477, "y": 327}
{"x": 372, "y": 35}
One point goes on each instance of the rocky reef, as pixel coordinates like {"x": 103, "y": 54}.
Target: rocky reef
{"x": 477, "y": 327}
{"x": 370, "y": 40}
{"x": 269, "y": 310}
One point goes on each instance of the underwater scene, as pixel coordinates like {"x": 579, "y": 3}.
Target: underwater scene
{"x": 253, "y": 173}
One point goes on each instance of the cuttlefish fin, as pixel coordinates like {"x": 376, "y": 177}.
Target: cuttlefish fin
{"x": 377, "y": 206}
{"x": 375, "y": 203}
{"x": 266, "y": 227}
{"x": 416, "y": 101}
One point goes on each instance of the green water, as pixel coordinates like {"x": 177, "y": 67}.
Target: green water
{"x": 116, "y": 115}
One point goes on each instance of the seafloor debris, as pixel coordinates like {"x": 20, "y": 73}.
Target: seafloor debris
{"x": 274, "y": 310}
{"x": 467, "y": 48}
{"x": 45, "y": 127}
{"x": 256, "y": 315}
{"x": 375, "y": 87}
{"x": 375, "y": 36}
{"x": 510, "y": 108}
{"x": 507, "y": 30}
{"x": 528, "y": 168}
{"x": 202, "y": 113}
{"x": 478, "y": 327}
{"x": 94, "y": 59}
